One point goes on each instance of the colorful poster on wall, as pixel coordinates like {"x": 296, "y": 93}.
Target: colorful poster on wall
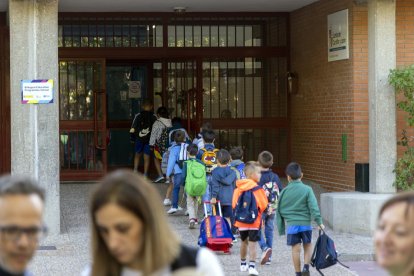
{"x": 134, "y": 89}
{"x": 37, "y": 91}
{"x": 338, "y": 41}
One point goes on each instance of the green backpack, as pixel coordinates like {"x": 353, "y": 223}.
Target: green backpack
{"x": 195, "y": 180}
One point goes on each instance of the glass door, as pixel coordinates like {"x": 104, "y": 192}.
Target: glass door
{"x": 82, "y": 114}
{"x": 181, "y": 91}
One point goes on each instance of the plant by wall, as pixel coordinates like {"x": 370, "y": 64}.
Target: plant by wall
{"x": 403, "y": 82}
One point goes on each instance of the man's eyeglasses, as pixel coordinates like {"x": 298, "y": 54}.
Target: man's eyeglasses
{"x": 14, "y": 233}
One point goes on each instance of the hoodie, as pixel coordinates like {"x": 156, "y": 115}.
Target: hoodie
{"x": 261, "y": 201}
{"x": 223, "y": 180}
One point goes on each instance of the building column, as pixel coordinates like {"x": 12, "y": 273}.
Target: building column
{"x": 35, "y": 127}
{"x": 382, "y": 108}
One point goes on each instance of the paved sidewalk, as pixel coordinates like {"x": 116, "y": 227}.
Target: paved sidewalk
{"x": 72, "y": 246}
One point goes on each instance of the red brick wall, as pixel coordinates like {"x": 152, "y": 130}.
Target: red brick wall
{"x": 332, "y": 97}
{"x": 405, "y": 52}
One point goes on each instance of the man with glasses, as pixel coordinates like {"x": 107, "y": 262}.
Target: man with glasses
{"x": 21, "y": 227}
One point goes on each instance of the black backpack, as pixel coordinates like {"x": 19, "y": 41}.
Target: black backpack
{"x": 324, "y": 255}
{"x": 186, "y": 258}
{"x": 246, "y": 210}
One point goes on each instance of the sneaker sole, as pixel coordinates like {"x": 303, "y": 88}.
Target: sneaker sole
{"x": 266, "y": 256}
{"x": 192, "y": 225}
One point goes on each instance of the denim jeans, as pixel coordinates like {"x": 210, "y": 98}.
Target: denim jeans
{"x": 178, "y": 182}
{"x": 266, "y": 240}
{"x": 206, "y": 196}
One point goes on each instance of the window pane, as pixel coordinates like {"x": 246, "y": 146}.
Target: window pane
{"x": 206, "y": 36}
{"x": 180, "y": 36}
{"x": 214, "y": 36}
{"x": 171, "y": 36}
{"x": 239, "y": 36}
{"x": 188, "y": 36}
{"x": 231, "y": 36}
{"x": 197, "y": 36}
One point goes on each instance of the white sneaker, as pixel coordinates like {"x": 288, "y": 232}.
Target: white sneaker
{"x": 179, "y": 208}
{"x": 167, "y": 202}
{"x": 253, "y": 271}
{"x": 186, "y": 213}
{"x": 243, "y": 268}
{"x": 172, "y": 211}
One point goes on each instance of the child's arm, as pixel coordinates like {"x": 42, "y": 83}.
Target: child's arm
{"x": 215, "y": 187}
{"x": 313, "y": 207}
{"x": 261, "y": 199}
{"x": 236, "y": 195}
{"x": 172, "y": 159}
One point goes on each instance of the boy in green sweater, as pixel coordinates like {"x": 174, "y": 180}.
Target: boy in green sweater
{"x": 297, "y": 206}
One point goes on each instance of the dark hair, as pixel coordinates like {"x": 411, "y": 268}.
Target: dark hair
{"x": 206, "y": 126}
{"x": 179, "y": 136}
{"x": 192, "y": 149}
{"x": 223, "y": 156}
{"x": 293, "y": 170}
{"x": 236, "y": 153}
{"x": 404, "y": 197}
{"x": 19, "y": 185}
{"x": 265, "y": 159}
{"x": 209, "y": 136}
{"x": 133, "y": 193}
{"x": 176, "y": 121}
{"x": 162, "y": 111}
{"x": 146, "y": 103}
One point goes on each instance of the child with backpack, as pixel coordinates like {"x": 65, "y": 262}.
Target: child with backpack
{"x": 176, "y": 125}
{"x": 249, "y": 203}
{"x": 198, "y": 140}
{"x": 178, "y": 154}
{"x": 297, "y": 206}
{"x": 223, "y": 180}
{"x": 140, "y": 134}
{"x": 194, "y": 174}
{"x": 207, "y": 155}
{"x": 159, "y": 139}
{"x": 271, "y": 184}
{"x": 237, "y": 162}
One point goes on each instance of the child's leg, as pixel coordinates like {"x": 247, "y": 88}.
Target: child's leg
{"x": 243, "y": 249}
{"x": 146, "y": 163}
{"x": 169, "y": 190}
{"x": 191, "y": 202}
{"x": 269, "y": 229}
{"x": 176, "y": 190}
{"x": 137, "y": 158}
{"x": 296, "y": 256}
{"x": 307, "y": 247}
{"x": 252, "y": 251}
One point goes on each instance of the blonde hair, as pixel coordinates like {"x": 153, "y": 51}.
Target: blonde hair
{"x": 133, "y": 193}
{"x": 250, "y": 168}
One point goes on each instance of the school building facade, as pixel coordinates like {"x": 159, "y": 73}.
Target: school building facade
{"x": 263, "y": 74}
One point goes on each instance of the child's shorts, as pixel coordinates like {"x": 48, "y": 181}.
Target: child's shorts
{"x": 141, "y": 147}
{"x": 253, "y": 235}
{"x": 227, "y": 211}
{"x": 301, "y": 237}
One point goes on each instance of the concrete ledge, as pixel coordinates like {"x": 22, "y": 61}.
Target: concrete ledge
{"x": 352, "y": 212}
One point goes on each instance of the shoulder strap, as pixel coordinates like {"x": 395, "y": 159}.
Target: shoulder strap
{"x": 186, "y": 258}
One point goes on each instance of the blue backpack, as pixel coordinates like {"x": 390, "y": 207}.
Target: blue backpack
{"x": 239, "y": 169}
{"x": 324, "y": 255}
{"x": 246, "y": 210}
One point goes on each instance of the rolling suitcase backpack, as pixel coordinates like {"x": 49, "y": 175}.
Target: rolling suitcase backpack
{"x": 215, "y": 231}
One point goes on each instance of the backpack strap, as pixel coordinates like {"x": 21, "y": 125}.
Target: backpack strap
{"x": 186, "y": 258}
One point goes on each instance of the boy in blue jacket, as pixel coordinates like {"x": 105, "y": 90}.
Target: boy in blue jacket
{"x": 223, "y": 182}
{"x": 175, "y": 168}
{"x": 272, "y": 186}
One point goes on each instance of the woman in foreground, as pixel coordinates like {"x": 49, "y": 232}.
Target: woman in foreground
{"x": 131, "y": 235}
{"x": 394, "y": 237}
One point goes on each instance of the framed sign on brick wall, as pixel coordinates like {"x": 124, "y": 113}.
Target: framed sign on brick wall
{"x": 338, "y": 40}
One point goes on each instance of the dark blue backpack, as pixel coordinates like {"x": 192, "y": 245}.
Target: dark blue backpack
{"x": 324, "y": 255}
{"x": 246, "y": 210}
